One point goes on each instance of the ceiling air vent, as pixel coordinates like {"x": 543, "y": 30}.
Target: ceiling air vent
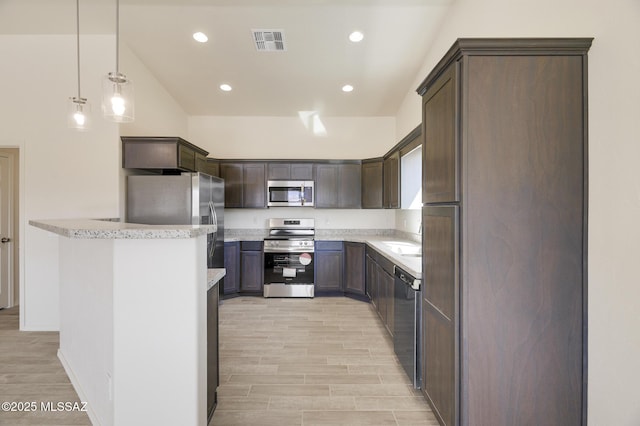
{"x": 269, "y": 40}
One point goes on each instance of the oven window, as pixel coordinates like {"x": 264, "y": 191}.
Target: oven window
{"x": 289, "y": 268}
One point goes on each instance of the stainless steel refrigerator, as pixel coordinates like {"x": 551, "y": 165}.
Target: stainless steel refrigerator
{"x": 185, "y": 199}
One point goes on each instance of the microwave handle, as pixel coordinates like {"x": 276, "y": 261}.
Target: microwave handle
{"x": 302, "y": 194}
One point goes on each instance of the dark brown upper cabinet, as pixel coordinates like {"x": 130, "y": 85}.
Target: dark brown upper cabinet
{"x": 338, "y": 185}
{"x": 440, "y": 151}
{"x": 372, "y": 183}
{"x": 245, "y": 184}
{"x": 391, "y": 173}
{"x": 210, "y": 166}
{"x": 289, "y": 171}
{"x": 160, "y": 154}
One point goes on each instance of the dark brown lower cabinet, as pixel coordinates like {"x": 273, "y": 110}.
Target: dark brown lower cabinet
{"x": 251, "y": 267}
{"x": 354, "y": 268}
{"x": 380, "y": 285}
{"x": 385, "y": 289}
{"x": 329, "y": 260}
{"x": 372, "y": 280}
{"x": 213, "y": 366}
{"x": 231, "y": 280}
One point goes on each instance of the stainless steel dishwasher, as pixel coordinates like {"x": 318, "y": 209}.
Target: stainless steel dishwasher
{"x": 407, "y": 317}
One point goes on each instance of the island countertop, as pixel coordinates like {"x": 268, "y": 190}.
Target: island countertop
{"x": 112, "y": 229}
{"x": 117, "y": 282}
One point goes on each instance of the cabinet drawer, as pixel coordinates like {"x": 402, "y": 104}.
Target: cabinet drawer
{"x": 329, "y": 245}
{"x": 251, "y": 245}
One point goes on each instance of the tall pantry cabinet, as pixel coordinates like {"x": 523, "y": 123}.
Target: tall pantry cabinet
{"x": 505, "y": 232}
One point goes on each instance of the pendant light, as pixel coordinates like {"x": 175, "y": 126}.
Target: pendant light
{"x": 117, "y": 89}
{"x": 79, "y": 109}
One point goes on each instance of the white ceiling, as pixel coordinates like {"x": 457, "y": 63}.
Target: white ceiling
{"x": 319, "y": 59}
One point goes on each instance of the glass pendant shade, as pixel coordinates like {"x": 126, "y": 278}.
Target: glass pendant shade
{"x": 79, "y": 114}
{"x": 117, "y": 98}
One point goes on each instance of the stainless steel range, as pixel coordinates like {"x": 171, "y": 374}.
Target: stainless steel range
{"x": 288, "y": 258}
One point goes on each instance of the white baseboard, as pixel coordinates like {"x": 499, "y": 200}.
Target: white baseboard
{"x": 76, "y": 385}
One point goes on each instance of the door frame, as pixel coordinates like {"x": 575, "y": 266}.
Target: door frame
{"x": 16, "y": 291}
{"x": 10, "y": 231}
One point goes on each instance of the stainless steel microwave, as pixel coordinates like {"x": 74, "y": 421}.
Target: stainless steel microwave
{"x": 290, "y": 193}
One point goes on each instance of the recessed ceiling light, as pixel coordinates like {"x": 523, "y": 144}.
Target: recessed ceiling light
{"x": 200, "y": 37}
{"x": 347, "y": 88}
{"x": 225, "y": 87}
{"x": 356, "y": 36}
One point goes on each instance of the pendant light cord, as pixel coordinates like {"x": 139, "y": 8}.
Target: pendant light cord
{"x": 117, "y": 35}
{"x": 78, "y": 43}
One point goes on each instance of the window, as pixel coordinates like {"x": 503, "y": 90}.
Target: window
{"x": 411, "y": 179}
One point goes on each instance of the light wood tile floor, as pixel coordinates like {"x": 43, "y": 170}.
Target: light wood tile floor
{"x": 31, "y": 372}
{"x": 322, "y": 361}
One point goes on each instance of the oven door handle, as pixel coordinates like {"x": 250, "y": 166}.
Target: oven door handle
{"x": 288, "y": 250}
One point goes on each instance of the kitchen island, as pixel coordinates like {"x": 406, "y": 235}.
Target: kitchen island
{"x": 133, "y": 319}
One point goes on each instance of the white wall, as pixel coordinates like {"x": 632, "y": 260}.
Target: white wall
{"x": 347, "y": 138}
{"x": 156, "y": 112}
{"x": 614, "y": 176}
{"x": 65, "y": 173}
{"x": 325, "y": 218}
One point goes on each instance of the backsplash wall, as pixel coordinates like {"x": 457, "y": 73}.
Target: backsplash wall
{"x": 325, "y": 218}
{"x": 403, "y": 222}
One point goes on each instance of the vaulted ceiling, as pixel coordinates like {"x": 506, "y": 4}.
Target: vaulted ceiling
{"x": 318, "y": 60}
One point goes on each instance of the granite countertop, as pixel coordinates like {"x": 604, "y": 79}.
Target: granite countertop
{"x": 214, "y": 276}
{"x": 110, "y": 229}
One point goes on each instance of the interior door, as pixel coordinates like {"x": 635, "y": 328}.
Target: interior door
{"x": 6, "y": 258}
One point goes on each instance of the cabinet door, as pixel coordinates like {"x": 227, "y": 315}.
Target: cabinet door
{"x": 372, "y": 185}
{"x": 231, "y": 280}
{"x": 439, "y": 380}
{"x": 252, "y": 271}
{"x": 440, "y": 295}
{"x": 372, "y": 281}
{"x": 524, "y": 239}
{"x": 391, "y": 194}
{"x": 354, "y": 260}
{"x": 382, "y": 294}
{"x": 200, "y": 162}
{"x": 211, "y": 167}
{"x": 349, "y": 185}
{"x": 440, "y": 148}
{"x": 329, "y": 270}
{"x": 301, "y": 171}
{"x": 254, "y": 191}
{"x": 232, "y": 175}
{"x": 279, "y": 171}
{"x": 326, "y": 185}
{"x": 213, "y": 378}
{"x": 386, "y": 281}
{"x": 186, "y": 158}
